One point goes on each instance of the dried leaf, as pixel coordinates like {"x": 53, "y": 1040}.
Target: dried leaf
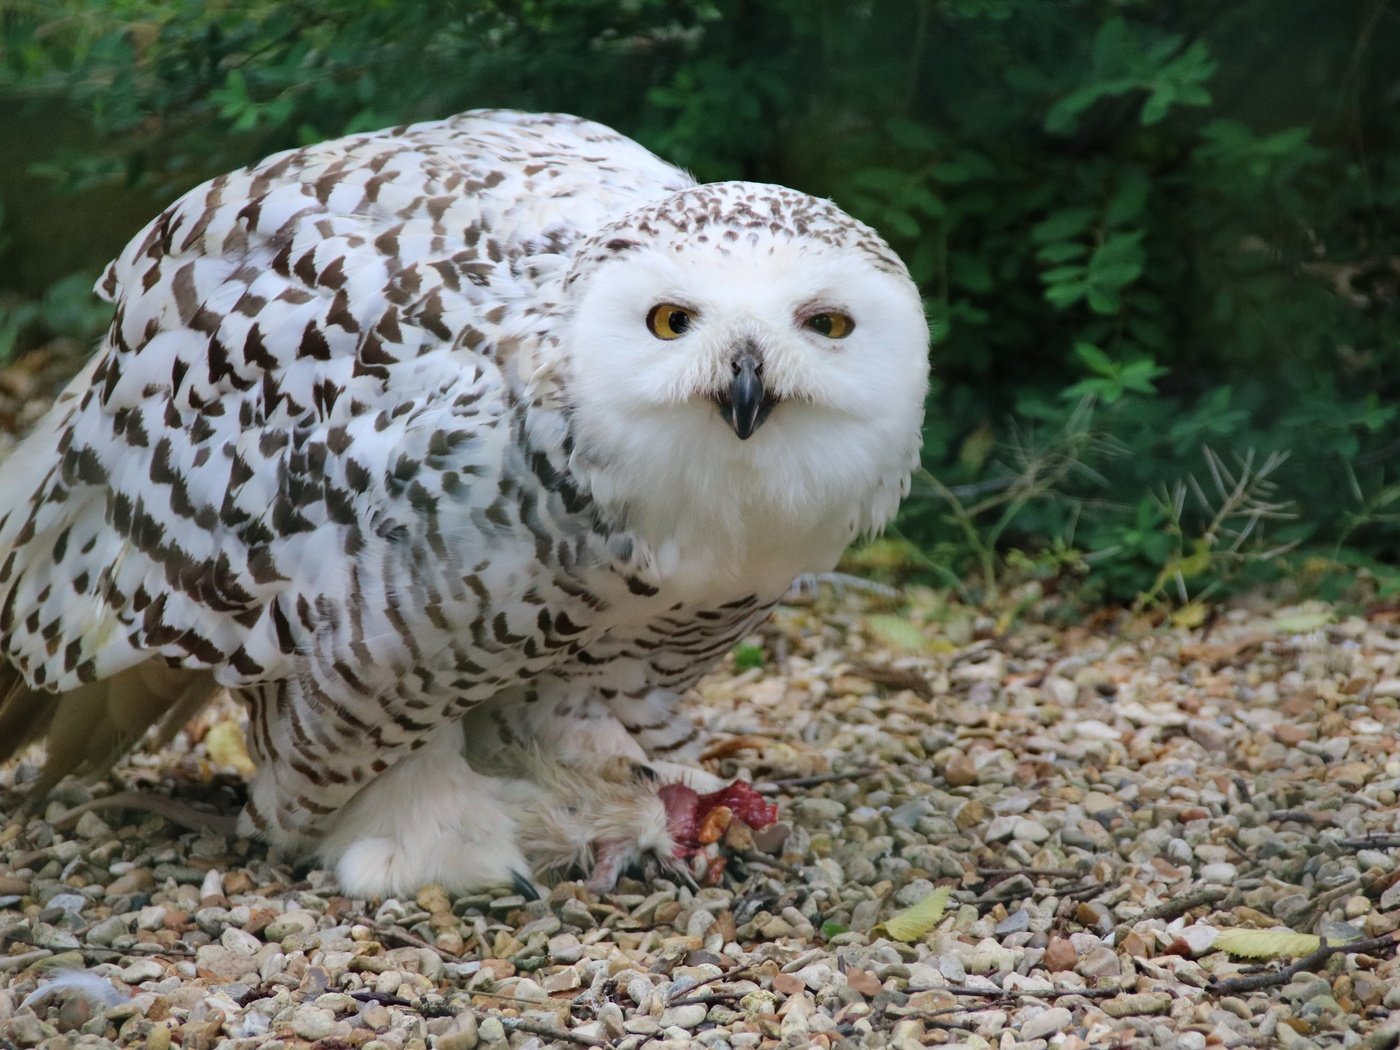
{"x": 894, "y": 678}
{"x": 1190, "y": 615}
{"x": 228, "y": 749}
{"x": 1300, "y": 619}
{"x": 895, "y": 632}
{"x": 914, "y": 924}
{"x": 1267, "y": 944}
{"x": 730, "y": 745}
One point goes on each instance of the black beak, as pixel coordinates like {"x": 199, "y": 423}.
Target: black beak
{"x": 745, "y": 408}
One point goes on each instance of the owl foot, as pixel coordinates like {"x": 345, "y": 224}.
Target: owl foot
{"x": 429, "y": 819}
{"x": 650, "y": 819}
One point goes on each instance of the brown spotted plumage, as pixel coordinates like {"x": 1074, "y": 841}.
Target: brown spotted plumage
{"x": 383, "y": 438}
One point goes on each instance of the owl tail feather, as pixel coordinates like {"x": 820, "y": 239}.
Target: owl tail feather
{"x": 91, "y": 727}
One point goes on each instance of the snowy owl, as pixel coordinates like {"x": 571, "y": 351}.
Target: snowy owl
{"x": 457, "y": 451}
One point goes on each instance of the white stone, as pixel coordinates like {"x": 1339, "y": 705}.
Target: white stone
{"x": 312, "y": 1022}
{"x": 1222, "y": 874}
{"x": 686, "y": 1017}
{"x": 1045, "y": 1024}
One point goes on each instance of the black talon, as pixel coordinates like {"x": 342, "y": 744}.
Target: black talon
{"x": 524, "y": 885}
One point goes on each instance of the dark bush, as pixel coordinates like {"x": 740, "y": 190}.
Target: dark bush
{"x": 1159, "y": 242}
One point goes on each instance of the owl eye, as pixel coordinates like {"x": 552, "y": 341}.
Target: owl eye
{"x": 669, "y": 321}
{"x": 833, "y": 325}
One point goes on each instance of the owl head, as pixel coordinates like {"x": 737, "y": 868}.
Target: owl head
{"x": 743, "y": 357}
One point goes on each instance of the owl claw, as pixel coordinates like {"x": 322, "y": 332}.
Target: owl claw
{"x": 524, "y": 885}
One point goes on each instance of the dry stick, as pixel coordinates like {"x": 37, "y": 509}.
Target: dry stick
{"x": 1301, "y": 816}
{"x": 1308, "y": 963}
{"x": 1054, "y": 993}
{"x": 773, "y": 787}
{"x": 1060, "y": 873}
{"x": 706, "y": 1000}
{"x": 412, "y": 940}
{"x": 1085, "y": 892}
{"x": 181, "y": 813}
{"x": 521, "y": 1024}
{"x": 1092, "y": 889}
{"x": 367, "y": 995}
{"x": 1372, "y": 842}
{"x": 1174, "y": 908}
{"x": 139, "y": 948}
{"x": 730, "y": 975}
{"x": 19, "y": 962}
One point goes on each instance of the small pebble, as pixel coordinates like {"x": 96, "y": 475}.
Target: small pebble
{"x": 1046, "y": 1023}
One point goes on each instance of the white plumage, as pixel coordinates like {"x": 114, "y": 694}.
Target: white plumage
{"x": 473, "y": 440}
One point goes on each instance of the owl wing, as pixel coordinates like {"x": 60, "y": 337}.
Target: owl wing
{"x": 287, "y": 340}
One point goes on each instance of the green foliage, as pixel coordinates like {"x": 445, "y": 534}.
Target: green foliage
{"x": 67, "y": 308}
{"x": 1157, "y": 241}
{"x": 747, "y": 657}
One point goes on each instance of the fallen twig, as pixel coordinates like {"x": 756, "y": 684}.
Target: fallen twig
{"x": 1307, "y": 964}
{"x": 173, "y": 810}
{"x": 19, "y": 962}
{"x": 1372, "y": 842}
{"x": 1173, "y": 908}
{"x": 1061, "y": 873}
{"x": 1088, "y": 891}
{"x": 366, "y": 995}
{"x": 773, "y": 787}
{"x": 1301, "y": 816}
{"x": 1054, "y": 993}
{"x": 522, "y": 1024}
{"x": 706, "y": 1000}
{"x": 730, "y": 975}
{"x": 406, "y": 938}
{"x": 994, "y": 896}
{"x": 894, "y": 678}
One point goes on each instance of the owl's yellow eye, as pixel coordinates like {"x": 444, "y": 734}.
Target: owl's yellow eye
{"x": 833, "y": 325}
{"x": 669, "y": 321}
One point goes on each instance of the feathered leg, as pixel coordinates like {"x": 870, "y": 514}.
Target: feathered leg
{"x": 88, "y": 729}
{"x": 601, "y": 804}
{"x": 431, "y": 818}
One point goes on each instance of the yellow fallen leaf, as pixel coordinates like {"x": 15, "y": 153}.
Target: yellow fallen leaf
{"x": 1190, "y": 615}
{"x": 895, "y": 632}
{"x": 914, "y": 923}
{"x": 227, "y": 748}
{"x": 1267, "y": 944}
{"x": 1300, "y": 619}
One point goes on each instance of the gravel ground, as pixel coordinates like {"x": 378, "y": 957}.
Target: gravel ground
{"x": 1101, "y": 801}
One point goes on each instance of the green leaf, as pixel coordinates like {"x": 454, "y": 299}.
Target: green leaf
{"x": 1096, "y": 360}
{"x": 890, "y": 181}
{"x": 1157, "y": 105}
{"x": 1063, "y": 224}
{"x": 747, "y": 657}
{"x": 912, "y": 135}
{"x": 1062, "y": 251}
{"x": 920, "y": 197}
{"x": 914, "y": 923}
{"x": 902, "y": 223}
{"x": 1111, "y": 43}
{"x": 1067, "y": 293}
{"x": 1128, "y": 202}
{"x": 1267, "y": 944}
{"x": 1061, "y": 274}
{"x": 1121, "y": 247}
{"x": 977, "y": 447}
{"x": 1138, "y": 375}
{"x": 1102, "y": 300}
